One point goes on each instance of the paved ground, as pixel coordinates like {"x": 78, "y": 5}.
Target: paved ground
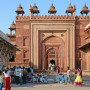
{"x": 29, "y": 86}
{"x": 57, "y": 86}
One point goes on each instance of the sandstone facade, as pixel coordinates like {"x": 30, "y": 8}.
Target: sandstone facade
{"x": 42, "y": 39}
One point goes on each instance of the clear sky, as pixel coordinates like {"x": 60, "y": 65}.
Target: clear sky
{"x": 8, "y": 8}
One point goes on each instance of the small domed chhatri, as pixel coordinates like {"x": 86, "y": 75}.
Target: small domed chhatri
{"x": 70, "y": 6}
{"x": 20, "y": 10}
{"x": 12, "y": 27}
{"x": 71, "y": 10}
{"x": 34, "y": 9}
{"x": 52, "y": 7}
{"x": 84, "y": 10}
{"x": 19, "y": 7}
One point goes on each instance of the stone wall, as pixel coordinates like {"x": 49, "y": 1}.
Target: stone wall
{"x": 7, "y": 50}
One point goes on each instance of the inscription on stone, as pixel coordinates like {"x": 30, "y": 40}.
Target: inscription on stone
{"x": 26, "y": 26}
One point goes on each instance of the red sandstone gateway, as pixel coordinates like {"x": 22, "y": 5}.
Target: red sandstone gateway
{"x": 51, "y": 39}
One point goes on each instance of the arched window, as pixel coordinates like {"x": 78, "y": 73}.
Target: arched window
{"x": 12, "y": 59}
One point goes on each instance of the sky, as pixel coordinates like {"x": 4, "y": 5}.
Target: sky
{"x": 8, "y": 8}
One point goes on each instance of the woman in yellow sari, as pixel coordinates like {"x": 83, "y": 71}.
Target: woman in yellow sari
{"x": 78, "y": 79}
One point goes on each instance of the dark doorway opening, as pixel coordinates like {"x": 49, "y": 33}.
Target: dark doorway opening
{"x": 52, "y": 62}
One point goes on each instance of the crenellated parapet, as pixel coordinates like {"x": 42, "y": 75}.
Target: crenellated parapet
{"x": 82, "y": 17}
{"x": 26, "y": 18}
{"x": 21, "y": 18}
{"x": 64, "y": 17}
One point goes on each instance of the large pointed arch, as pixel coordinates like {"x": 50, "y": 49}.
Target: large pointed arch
{"x": 50, "y": 36}
{"x": 52, "y": 42}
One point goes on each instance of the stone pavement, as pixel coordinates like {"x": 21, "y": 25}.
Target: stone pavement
{"x": 57, "y": 86}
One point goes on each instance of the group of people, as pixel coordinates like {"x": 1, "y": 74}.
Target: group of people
{"x": 51, "y": 66}
{"x": 21, "y": 75}
{"x": 78, "y": 77}
{"x": 16, "y": 74}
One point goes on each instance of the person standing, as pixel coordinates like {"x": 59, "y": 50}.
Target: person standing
{"x": 50, "y": 66}
{"x": 68, "y": 80}
{"x": 17, "y": 71}
{"x": 20, "y": 75}
{"x": 78, "y": 79}
{"x": 7, "y": 75}
{"x": 25, "y": 76}
{"x": 53, "y": 67}
{"x": 1, "y": 80}
{"x": 58, "y": 69}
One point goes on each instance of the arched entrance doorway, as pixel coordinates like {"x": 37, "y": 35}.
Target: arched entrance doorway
{"x": 51, "y": 57}
{"x": 52, "y": 48}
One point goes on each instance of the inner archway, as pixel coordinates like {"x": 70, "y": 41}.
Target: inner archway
{"x": 51, "y": 57}
{"x": 52, "y": 48}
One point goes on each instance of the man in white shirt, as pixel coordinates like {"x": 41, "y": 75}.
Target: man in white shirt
{"x": 20, "y": 75}
{"x": 68, "y": 80}
{"x": 17, "y": 71}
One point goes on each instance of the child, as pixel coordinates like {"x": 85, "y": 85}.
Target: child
{"x": 78, "y": 79}
{"x": 1, "y": 80}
